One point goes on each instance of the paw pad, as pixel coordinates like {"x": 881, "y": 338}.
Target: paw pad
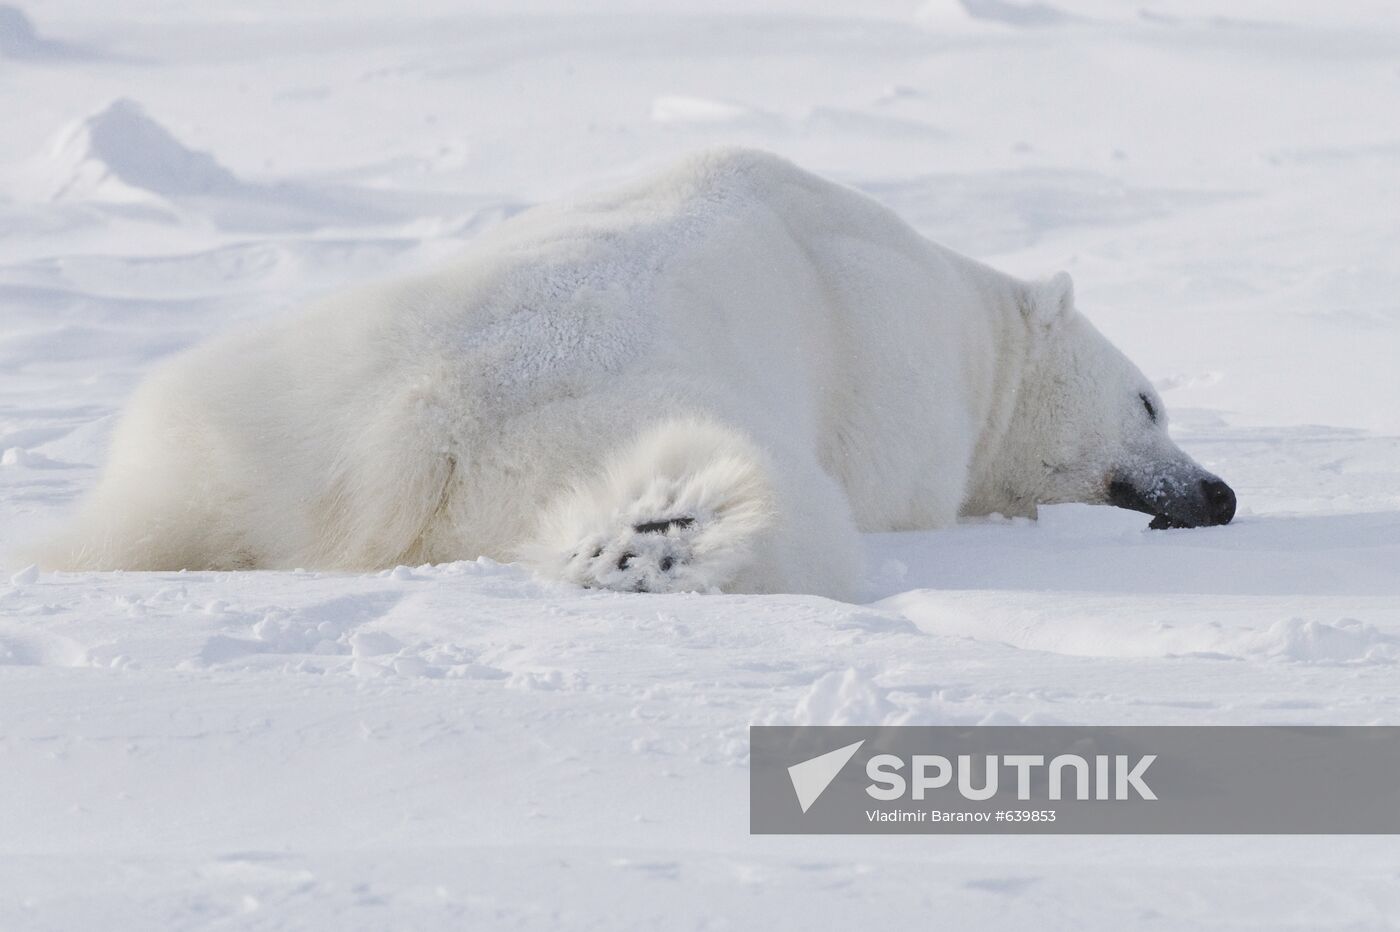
{"x": 661, "y": 527}
{"x": 650, "y": 556}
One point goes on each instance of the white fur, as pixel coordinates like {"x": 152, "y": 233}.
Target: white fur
{"x": 774, "y": 359}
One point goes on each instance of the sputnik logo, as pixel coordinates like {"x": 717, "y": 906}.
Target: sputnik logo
{"x": 811, "y": 777}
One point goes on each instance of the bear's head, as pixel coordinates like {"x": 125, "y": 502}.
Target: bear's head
{"x": 1088, "y": 427}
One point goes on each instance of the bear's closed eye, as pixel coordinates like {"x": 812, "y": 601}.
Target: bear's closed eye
{"x": 1147, "y": 403}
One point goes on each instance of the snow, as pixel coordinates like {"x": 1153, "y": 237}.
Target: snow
{"x": 463, "y": 745}
{"x": 122, "y": 148}
{"x": 19, "y": 39}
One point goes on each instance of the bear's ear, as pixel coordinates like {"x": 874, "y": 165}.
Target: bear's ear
{"x": 1046, "y": 302}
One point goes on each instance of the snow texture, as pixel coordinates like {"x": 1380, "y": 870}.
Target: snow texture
{"x": 465, "y": 745}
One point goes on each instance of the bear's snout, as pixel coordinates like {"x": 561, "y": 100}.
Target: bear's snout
{"x": 1220, "y": 500}
{"x": 1208, "y": 502}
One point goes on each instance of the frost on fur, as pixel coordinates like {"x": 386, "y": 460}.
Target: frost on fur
{"x": 684, "y": 508}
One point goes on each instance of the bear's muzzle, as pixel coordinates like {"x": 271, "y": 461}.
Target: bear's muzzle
{"x": 1199, "y": 502}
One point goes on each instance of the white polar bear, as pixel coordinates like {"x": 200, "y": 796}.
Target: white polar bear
{"x": 712, "y": 379}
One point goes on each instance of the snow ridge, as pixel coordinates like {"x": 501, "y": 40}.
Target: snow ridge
{"x": 120, "y": 153}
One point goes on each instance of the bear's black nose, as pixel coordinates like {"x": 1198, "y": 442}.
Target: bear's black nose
{"x": 1220, "y": 500}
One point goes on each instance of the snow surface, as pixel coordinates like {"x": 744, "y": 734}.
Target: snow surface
{"x": 463, "y": 746}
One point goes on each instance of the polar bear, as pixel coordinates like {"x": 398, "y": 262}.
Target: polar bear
{"x": 710, "y": 380}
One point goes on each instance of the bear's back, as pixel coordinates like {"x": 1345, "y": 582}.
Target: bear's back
{"x": 577, "y": 290}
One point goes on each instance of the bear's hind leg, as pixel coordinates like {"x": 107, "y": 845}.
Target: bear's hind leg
{"x": 681, "y": 508}
{"x": 693, "y": 505}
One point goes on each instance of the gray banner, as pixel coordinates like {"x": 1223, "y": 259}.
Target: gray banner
{"x": 1075, "y": 780}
